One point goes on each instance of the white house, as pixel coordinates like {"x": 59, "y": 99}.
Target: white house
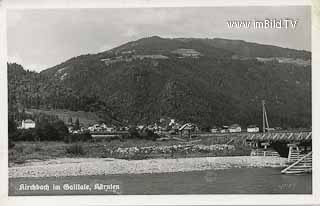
{"x": 224, "y": 129}
{"x": 94, "y": 128}
{"x": 234, "y": 128}
{"x": 110, "y": 128}
{"x": 28, "y": 124}
{"x": 252, "y": 128}
{"x": 214, "y": 129}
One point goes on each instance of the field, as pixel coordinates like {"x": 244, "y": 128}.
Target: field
{"x": 85, "y": 118}
{"x": 33, "y": 151}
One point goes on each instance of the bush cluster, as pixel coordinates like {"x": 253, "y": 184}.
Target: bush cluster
{"x": 75, "y": 149}
{"x": 77, "y": 138}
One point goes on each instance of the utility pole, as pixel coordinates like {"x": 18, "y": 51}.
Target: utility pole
{"x": 263, "y": 119}
{"x": 265, "y": 123}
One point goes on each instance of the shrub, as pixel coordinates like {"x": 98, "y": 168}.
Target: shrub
{"x": 148, "y": 135}
{"x": 133, "y": 133}
{"x": 77, "y": 138}
{"x": 75, "y": 149}
{"x": 11, "y": 144}
{"x": 26, "y": 135}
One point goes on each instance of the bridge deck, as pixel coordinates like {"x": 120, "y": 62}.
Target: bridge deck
{"x": 283, "y": 136}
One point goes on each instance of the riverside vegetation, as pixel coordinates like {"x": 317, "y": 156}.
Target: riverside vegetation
{"x": 129, "y": 148}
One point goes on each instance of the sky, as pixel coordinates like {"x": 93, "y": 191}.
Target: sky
{"x": 39, "y": 39}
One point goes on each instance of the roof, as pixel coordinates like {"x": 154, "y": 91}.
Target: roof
{"x": 281, "y": 136}
{"x": 234, "y": 126}
{"x": 186, "y": 126}
{"x": 252, "y": 126}
{"x": 28, "y": 121}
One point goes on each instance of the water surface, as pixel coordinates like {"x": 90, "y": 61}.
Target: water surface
{"x": 229, "y": 181}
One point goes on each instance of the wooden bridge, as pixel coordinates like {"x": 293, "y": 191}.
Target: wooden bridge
{"x": 296, "y": 146}
{"x": 305, "y": 136}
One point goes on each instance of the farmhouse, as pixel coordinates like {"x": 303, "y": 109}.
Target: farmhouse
{"x": 186, "y": 129}
{"x": 234, "y": 128}
{"x": 95, "y": 128}
{"x": 187, "y": 53}
{"x": 28, "y": 124}
{"x": 224, "y": 129}
{"x": 214, "y": 129}
{"x": 252, "y": 128}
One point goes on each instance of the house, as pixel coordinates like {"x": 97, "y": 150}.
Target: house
{"x": 140, "y": 127}
{"x": 224, "y": 129}
{"x": 28, "y": 124}
{"x": 270, "y": 129}
{"x": 183, "y": 52}
{"x": 103, "y": 126}
{"x": 234, "y": 128}
{"x": 110, "y": 128}
{"x": 94, "y": 128}
{"x": 70, "y": 128}
{"x": 214, "y": 129}
{"x": 186, "y": 129}
{"x": 252, "y": 128}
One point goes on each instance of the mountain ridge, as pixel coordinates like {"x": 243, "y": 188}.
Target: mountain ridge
{"x": 193, "y": 81}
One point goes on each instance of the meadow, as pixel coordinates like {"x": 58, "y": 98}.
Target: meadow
{"x": 24, "y": 151}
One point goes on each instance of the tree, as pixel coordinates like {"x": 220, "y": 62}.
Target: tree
{"x": 77, "y": 124}
{"x": 12, "y": 127}
{"x": 61, "y": 129}
{"x": 133, "y": 132}
{"x": 70, "y": 120}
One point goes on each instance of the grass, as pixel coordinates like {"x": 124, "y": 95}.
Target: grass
{"x": 85, "y": 118}
{"x": 75, "y": 149}
{"x": 23, "y": 151}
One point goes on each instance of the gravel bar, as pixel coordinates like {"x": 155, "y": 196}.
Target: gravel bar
{"x": 106, "y": 166}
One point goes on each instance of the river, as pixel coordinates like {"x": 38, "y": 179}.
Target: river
{"x": 228, "y": 181}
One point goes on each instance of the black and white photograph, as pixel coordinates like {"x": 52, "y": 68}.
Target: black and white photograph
{"x": 213, "y": 100}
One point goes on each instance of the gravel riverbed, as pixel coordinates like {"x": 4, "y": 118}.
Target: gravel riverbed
{"x": 105, "y": 166}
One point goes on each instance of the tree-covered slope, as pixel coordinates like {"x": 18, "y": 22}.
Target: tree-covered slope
{"x": 211, "y": 88}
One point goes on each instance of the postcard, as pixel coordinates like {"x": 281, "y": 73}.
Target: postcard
{"x": 159, "y": 100}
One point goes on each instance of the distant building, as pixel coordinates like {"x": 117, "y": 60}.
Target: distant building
{"x": 94, "y": 128}
{"x": 252, "y": 128}
{"x": 214, "y": 129}
{"x": 187, "y": 52}
{"x": 28, "y": 124}
{"x": 70, "y": 128}
{"x": 224, "y": 129}
{"x": 110, "y": 129}
{"x": 103, "y": 126}
{"x": 235, "y": 128}
{"x": 270, "y": 129}
{"x": 140, "y": 127}
{"x": 186, "y": 129}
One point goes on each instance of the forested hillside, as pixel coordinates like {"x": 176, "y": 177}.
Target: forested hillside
{"x": 193, "y": 80}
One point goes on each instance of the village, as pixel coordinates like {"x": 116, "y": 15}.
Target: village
{"x": 163, "y": 127}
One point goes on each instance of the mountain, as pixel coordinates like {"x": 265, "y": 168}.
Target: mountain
{"x": 248, "y": 49}
{"x": 197, "y": 80}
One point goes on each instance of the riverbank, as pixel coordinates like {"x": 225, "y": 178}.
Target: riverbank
{"x": 63, "y": 167}
{"x": 130, "y": 149}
